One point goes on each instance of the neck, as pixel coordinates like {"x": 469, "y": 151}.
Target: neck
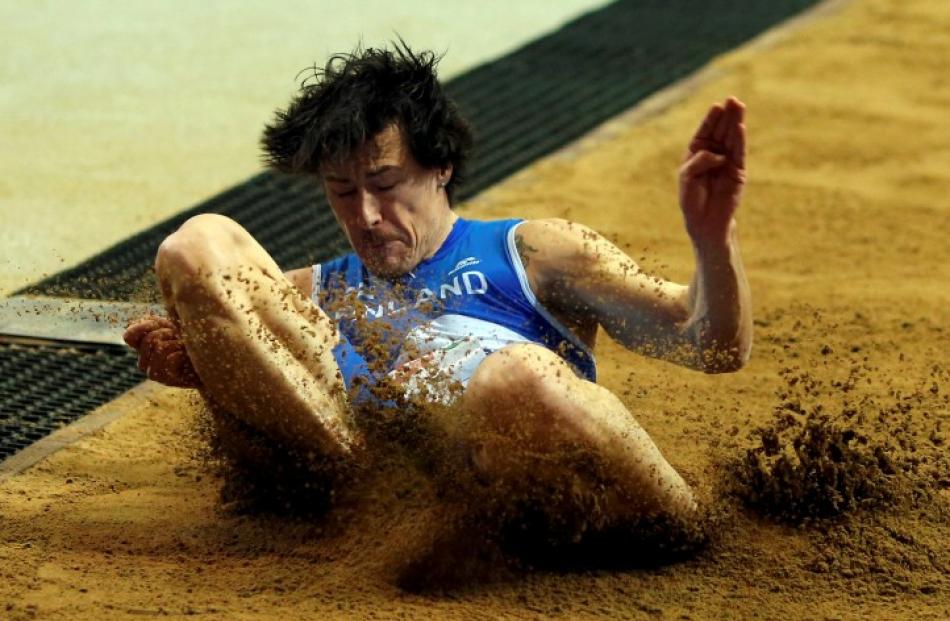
{"x": 447, "y": 221}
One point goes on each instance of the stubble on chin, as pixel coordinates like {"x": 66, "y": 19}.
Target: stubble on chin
{"x": 387, "y": 265}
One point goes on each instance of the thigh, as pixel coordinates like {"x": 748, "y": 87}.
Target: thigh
{"x": 530, "y": 418}
{"x": 263, "y": 350}
{"x": 525, "y": 391}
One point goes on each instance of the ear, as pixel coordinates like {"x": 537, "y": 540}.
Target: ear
{"x": 445, "y": 175}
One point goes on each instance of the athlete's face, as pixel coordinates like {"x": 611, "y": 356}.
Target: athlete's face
{"x": 394, "y": 211}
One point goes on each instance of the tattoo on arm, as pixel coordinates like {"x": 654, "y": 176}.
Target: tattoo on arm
{"x": 523, "y": 249}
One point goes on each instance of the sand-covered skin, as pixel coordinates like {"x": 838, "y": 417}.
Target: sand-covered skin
{"x": 843, "y": 230}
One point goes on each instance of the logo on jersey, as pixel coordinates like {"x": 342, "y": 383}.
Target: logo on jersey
{"x": 464, "y": 263}
{"x": 467, "y": 283}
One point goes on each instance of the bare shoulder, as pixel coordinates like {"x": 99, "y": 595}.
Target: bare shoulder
{"x": 554, "y": 248}
{"x": 572, "y": 260}
{"x": 551, "y": 240}
{"x": 588, "y": 279}
{"x": 557, "y": 228}
{"x": 555, "y": 253}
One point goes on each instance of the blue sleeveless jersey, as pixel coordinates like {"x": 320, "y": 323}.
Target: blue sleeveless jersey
{"x": 474, "y": 287}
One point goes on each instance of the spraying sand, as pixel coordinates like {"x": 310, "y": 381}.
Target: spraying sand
{"x": 824, "y": 461}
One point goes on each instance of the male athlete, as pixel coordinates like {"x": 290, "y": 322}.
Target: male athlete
{"x": 496, "y": 320}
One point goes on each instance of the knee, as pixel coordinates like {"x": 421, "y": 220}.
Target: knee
{"x": 522, "y": 378}
{"x": 516, "y": 411}
{"x": 200, "y": 245}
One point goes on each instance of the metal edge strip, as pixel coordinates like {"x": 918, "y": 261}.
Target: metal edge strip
{"x": 72, "y": 433}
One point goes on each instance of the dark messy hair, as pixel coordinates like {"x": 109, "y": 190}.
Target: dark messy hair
{"x": 353, "y": 98}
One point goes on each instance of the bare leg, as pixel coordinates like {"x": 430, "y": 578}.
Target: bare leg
{"x": 553, "y": 454}
{"x": 530, "y": 418}
{"x": 261, "y": 349}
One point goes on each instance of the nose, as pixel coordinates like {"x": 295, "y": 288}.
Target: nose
{"x": 369, "y": 212}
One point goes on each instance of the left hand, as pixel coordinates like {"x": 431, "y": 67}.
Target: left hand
{"x": 162, "y": 354}
{"x": 713, "y": 174}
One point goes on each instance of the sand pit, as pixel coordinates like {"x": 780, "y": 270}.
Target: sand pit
{"x": 843, "y": 237}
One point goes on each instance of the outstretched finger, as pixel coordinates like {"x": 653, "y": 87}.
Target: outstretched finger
{"x": 708, "y": 125}
{"x": 726, "y": 120}
{"x": 737, "y": 146}
{"x": 704, "y": 133}
{"x": 738, "y": 107}
{"x": 733, "y": 115}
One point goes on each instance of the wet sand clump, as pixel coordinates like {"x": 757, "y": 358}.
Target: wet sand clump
{"x": 833, "y": 447}
{"x": 123, "y": 525}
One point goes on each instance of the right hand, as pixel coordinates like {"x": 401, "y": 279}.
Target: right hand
{"x": 162, "y": 354}
{"x": 713, "y": 174}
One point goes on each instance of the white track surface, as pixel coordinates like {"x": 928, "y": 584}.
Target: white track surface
{"x": 116, "y": 115}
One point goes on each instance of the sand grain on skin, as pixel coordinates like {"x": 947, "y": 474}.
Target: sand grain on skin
{"x": 842, "y": 238}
